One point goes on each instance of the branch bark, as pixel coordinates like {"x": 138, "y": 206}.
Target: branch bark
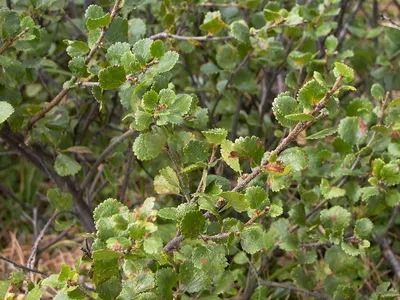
{"x": 291, "y": 288}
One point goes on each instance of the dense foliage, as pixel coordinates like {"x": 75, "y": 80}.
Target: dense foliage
{"x": 204, "y": 150}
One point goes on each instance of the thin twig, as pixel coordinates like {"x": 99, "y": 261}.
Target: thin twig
{"x": 176, "y": 168}
{"x": 13, "y": 40}
{"x": 294, "y": 289}
{"x": 22, "y": 267}
{"x": 127, "y": 174}
{"x": 32, "y": 258}
{"x": 87, "y": 83}
{"x": 163, "y": 35}
{"x": 92, "y": 172}
{"x": 346, "y": 25}
{"x": 392, "y": 219}
{"x": 238, "y": 68}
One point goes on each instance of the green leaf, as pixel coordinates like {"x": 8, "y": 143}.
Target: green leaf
{"x": 166, "y": 63}
{"x": 76, "y": 48}
{"x": 96, "y": 18}
{"x": 157, "y": 49}
{"x": 118, "y": 243}
{"x": 6, "y": 110}
{"x": 336, "y": 218}
{"x": 256, "y": 197}
{"x": 392, "y": 197}
{"x": 149, "y": 145}
{"x": 226, "y": 152}
{"x": 300, "y": 278}
{"x": 339, "y": 261}
{"x": 395, "y": 102}
{"x": 311, "y": 93}
{"x": 192, "y": 224}
{"x": 342, "y": 70}
{"x": 4, "y": 285}
{"x": 299, "y": 59}
{"x": 132, "y": 288}
{"x": 249, "y": 148}
{"x": 252, "y": 238}
{"x": 107, "y": 209}
{"x": 390, "y": 174}
{"x": 272, "y": 12}
{"x": 210, "y": 258}
{"x": 350, "y": 249}
{"x": 363, "y": 228}
{"x": 284, "y": 105}
{"x": 240, "y": 31}
{"x": 166, "y": 182}
{"x": 322, "y": 134}
{"x": 349, "y": 130}
{"x": 66, "y": 165}
{"x": 117, "y": 31}
{"x": 78, "y": 67}
{"x": 142, "y": 51}
{"x": 298, "y": 214}
{"x": 153, "y": 244}
{"x": 193, "y": 279}
{"x": 275, "y": 210}
{"x": 331, "y": 43}
{"x": 330, "y": 192}
{"x": 116, "y": 51}
{"x": 215, "y": 135}
{"x": 368, "y": 192}
{"x": 150, "y": 101}
{"x": 212, "y": 23}
{"x": 300, "y": 117}
{"x": 377, "y": 91}
{"x": 294, "y": 157}
{"x": 227, "y": 57}
{"x": 168, "y": 213}
{"x": 109, "y": 289}
{"x": 166, "y": 280}
{"x": 181, "y": 105}
{"x": 382, "y": 130}
{"x": 236, "y": 200}
{"x": 194, "y": 152}
{"x": 106, "y": 254}
{"x": 35, "y": 293}
{"x": 58, "y": 200}
{"x": 142, "y": 120}
{"x": 111, "y": 77}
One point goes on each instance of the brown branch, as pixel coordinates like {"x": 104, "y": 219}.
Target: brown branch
{"x": 204, "y": 38}
{"x": 87, "y": 83}
{"x": 172, "y": 244}
{"x": 22, "y": 267}
{"x": 15, "y": 141}
{"x": 12, "y": 40}
{"x": 387, "y": 252}
{"x": 291, "y": 288}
